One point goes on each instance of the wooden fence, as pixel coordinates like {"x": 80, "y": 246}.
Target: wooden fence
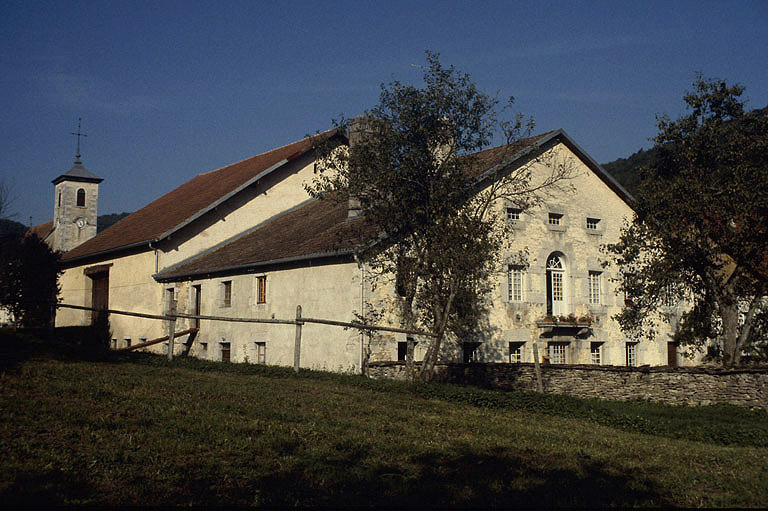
{"x": 298, "y": 321}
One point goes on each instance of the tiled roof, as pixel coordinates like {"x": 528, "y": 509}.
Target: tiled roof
{"x": 41, "y": 230}
{"x": 78, "y": 173}
{"x": 180, "y": 205}
{"x": 317, "y": 228}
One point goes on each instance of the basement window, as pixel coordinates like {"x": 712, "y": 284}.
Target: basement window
{"x": 127, "y": 342}
{"x": 470, "y": 352}
{"x": 515, "y": 352}
{"x": 557, "y": 352}
{"x": 631, "y": 354}
{"x": 596, "y": 353}
{"x": 261, "y": 352}
{"x": 402, "y": 350}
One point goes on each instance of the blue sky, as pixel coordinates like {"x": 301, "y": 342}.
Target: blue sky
{"x": 171, "y": 89}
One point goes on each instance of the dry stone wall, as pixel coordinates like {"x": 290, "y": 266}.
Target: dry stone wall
{"x": 673, "y": 385}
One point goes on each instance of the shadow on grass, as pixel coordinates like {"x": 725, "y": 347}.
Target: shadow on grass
{"x": 67, "y": 343}
{"x": 462, "y": 479}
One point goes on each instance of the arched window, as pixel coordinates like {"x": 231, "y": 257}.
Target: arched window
{"x": 81, "y": 198}
{"x": 556, "y": 284}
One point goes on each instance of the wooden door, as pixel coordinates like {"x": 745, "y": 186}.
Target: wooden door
{"x": 99, "y": 296}
{"x": 672, "y": 354}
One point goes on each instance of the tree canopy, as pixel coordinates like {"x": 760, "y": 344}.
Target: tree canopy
{"x": 700, "y": 235}
{"x": 29, "y": 274}
{"x": 412, "y": 170}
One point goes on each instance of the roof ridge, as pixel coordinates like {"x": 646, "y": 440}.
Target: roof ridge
{"x": 267, "y": 152}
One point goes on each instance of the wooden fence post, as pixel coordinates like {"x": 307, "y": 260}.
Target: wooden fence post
{"x": 297, "y": 345}
{"x": 171, "y": 330}
{"x": 537, "y": 367}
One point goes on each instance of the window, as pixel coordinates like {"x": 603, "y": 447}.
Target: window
{"x": 261, "y": 289}
{"x": 513, "y": 214}
{"x": 226, "y": 296}
{"x": 127, "y": 342}
{"x": 81, "y": 198}
{"x": 142, "y": 339}
{"x": 225, "y": 351}
{"x": 470, "y": 351}
{"x": 204, "y": 347}
{"x": 631, "y": 354}
{"x": 555, "y": 285}
{"x": 592, "y": 224}
{"x": 596, "y": 352}
{"x": 594, "y": 287}
{"x": 515, "y": 352}
{"x": 170, "y": 300}
{"x": 261, "y": 352}
{"x": 515, "y": 282}
{"x": 667, "y": 297}
{"x": 59, "y": 198}
{"x": 557, "y": 352}
{"x": 402, "y": 349}
{"x": 114, "y": 344}
{"x": 555, "y": 218}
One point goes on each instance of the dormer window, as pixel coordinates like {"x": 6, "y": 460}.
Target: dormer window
{"x": 555, "y": 218}
{"x": 81, "y": 198}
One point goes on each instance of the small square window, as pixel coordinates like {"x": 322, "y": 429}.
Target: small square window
{"x": 555, "y": 219}
{"x": 513, "y": 214}
{"x": 204, "y": 347}
{"x": 515, "y": 352}
{"x": 593, "y": 224}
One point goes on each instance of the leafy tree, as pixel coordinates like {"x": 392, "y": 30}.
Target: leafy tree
{"x": 29, "y": 274}
{"x": 701, "y": 229}
{"x": 413, "y": 169}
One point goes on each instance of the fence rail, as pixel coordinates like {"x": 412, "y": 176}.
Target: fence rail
{"x": 172, "y": 316}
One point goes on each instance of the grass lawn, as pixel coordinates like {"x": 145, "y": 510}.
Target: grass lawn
{"x": 133, "y": 429}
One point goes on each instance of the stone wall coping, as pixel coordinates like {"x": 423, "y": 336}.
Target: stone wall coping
{"x": 715, "y": 371}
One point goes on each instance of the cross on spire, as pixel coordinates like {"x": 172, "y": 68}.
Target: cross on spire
{"x": 78, "y": 135}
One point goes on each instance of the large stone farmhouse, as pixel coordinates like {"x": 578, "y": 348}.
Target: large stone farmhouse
{"x": 246, "y": 240}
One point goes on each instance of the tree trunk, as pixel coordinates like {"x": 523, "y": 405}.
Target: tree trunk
{"x": 441, "y": 321}
{"x": 730, "y": 317}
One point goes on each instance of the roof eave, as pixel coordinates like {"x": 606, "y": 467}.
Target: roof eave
{"x": 248, "y": 266}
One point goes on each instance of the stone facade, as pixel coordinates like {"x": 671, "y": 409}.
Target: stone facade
{"x": 678, "y": 386}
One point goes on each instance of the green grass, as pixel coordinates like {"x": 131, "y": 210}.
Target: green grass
{"x": 134, "y": 429}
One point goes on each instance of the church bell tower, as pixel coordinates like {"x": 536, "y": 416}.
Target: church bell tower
{"x": 76, "y": 198}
